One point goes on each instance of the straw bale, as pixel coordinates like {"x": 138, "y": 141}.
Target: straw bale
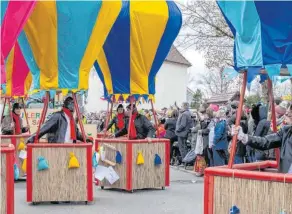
{"x": 121, "y": 169}
{"x": 5, "y": 141}
{"x": 251, "y": 196}
{"x": 148, "y": 175}
{"x": 59, "y": 183}
{"x": 3, "y": 184}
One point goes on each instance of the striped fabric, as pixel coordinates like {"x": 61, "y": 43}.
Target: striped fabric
{"x": 14, "y": 15}
{"x": 263, "y": 34}
{"x": 62, "y": 39}
{"x": 18, "y": 77}
{"x": 136, "y": 47}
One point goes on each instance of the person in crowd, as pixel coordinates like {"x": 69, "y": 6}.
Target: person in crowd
{"x": 119, "y": 121}
{"x": 195, "y": 129}
{"x": 61, "y": 127}
{"x": 262, "y": 129}
{"x": 220, "y": 142}
{"x": 140, "y": 126}
{"x": 160, "y": 133}
{"x": 183, "y": 126}
{"x": 169, "y": 126}
{"x": 13, "y": 125}
{"x": 282, "y": 139}
{"x": 147, "y": 114}
{"x": 280, "y": 116}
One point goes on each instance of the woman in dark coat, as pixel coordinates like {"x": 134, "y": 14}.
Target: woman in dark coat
{"x": 169, "y": 126}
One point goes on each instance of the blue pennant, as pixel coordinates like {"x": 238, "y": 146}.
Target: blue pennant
{"x": 273, "y": 70}
{"x": 289, "y": 69}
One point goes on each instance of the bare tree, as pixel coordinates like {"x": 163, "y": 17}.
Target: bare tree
{"x": 215, "y": 82}
{"x": 205, "y": 29}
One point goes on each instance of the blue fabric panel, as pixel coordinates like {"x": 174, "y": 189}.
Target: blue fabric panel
{"x": 73, "y": 35}
{"x": 273, "y": 70}
{"x": 289, "y": 67}
{"x": 117, "y": 51}
{"x": 4, "y": 5}
{"x": 243, "y": 17}
{"x": 276, "y": 28}
{"x": 171, "y": 30}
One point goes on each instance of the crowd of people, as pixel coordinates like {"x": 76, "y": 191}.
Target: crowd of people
{"x": 205, "y": 132}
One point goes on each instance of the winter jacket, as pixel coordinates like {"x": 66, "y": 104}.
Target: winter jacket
{"x": 6, "y": 126}
{"x": 282, "y": 139}
{"x": 220, "y": 138}
{"x": 184, "y": 123}
{"x": 118, "y": 132}
{"x": 56, "y": 128}
{"x": 169, "y": 126}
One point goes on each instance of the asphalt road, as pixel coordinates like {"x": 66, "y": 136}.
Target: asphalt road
{"x": 184, "y": 196}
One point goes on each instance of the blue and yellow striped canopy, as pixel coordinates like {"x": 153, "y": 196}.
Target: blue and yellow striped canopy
{"x": 136, "y": 47}
{"x": 62, "y": 39}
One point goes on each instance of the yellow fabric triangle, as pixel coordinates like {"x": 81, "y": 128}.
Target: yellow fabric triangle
{"x": 125, "y": 96}
{"x": 140, "y": 158}
{"x": 73, "y": 162}
{"x": 65, "y": 92}
{"x": 21, "y": 146}
{"x": 23, "y": 167}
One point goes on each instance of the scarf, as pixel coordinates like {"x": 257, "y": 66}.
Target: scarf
{"x": 120, "y": 123}
{"x": 72, "y": 125}
{"x": 16, "y": 120}
{"x": 133, "y": 133}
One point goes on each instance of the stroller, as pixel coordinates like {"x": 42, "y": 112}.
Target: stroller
{"x": 176, "y": 157}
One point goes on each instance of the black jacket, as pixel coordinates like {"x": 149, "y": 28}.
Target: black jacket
{"x": 169, "y": 126}
{"x": 56, "y": 128}
{"x": 282, "y": 139}
{"x": 119, "y": 132}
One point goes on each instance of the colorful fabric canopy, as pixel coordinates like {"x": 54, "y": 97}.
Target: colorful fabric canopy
{"x": 136, "y": 47}
{"x": 18, "y": 77}
{"x": 14, "y": 14}
{"x": 61, "y": 40}
{"x": 262, "y": 32}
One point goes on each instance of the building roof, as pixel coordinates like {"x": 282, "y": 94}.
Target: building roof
{"x": 222, "y": 98}
{"x": 175, "y": 56}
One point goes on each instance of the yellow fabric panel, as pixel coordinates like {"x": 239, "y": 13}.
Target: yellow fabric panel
{"x": 9, "y": 71}
{"x": 41, "y": 33}
{"x": 148, "y": 22}
{"x": 27, "y": 84}
{"x": 102, "y": 62}
{"x": 108, "y": 13}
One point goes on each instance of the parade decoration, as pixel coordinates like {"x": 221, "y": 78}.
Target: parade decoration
{"x": 73, "y": 162}
{"x": 261, "y": 41}
{"x": 118, "y": 157}
{"x": 136, "y": 47}
{"x": 157, "y": 160}
{"x": 14, "y": 15}
{"x": 94, "y": 160}
{"x": 234, "y": 210}
{"x": 42, "y": 163}
{"x": 21, "y": 146}
{"x": 62, "y": 39}
{"x": 140, "y": 158}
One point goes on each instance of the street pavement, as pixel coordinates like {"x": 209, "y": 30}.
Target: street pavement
{"x": 184, "y": 196}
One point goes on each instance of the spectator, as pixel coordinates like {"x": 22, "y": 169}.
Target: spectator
{"x": 169, "y": 126}
{"x": 119, "y": 121}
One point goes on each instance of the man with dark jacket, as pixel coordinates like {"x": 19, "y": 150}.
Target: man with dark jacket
{"x": 61, "y": 127}
{"x": 183, "y": 128}
{"x": 282, "y": 139}
{"x": 141, "y": 127}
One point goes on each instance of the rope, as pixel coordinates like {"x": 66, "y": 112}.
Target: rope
{"x": 232, "y": 189}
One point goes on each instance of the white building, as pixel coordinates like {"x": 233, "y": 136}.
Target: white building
{"x": 171, "y": 84}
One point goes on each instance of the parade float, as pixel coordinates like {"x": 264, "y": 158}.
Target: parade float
{"x": 134, "y": 51}
{"x": 60, "y": 53}
{"x": 262, "y": 46}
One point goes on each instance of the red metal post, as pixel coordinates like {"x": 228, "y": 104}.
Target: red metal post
{"x": 25, "y": 114}
{"x": 237, "y": 122}
{"x": 79, "y": 117}
{"x": 44, "y": 113}
{"x": 274, "y": 119}
{"x": 155, "y": 118}
{"x": 130, "y": 117}
{"x": 109, "y": 112}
